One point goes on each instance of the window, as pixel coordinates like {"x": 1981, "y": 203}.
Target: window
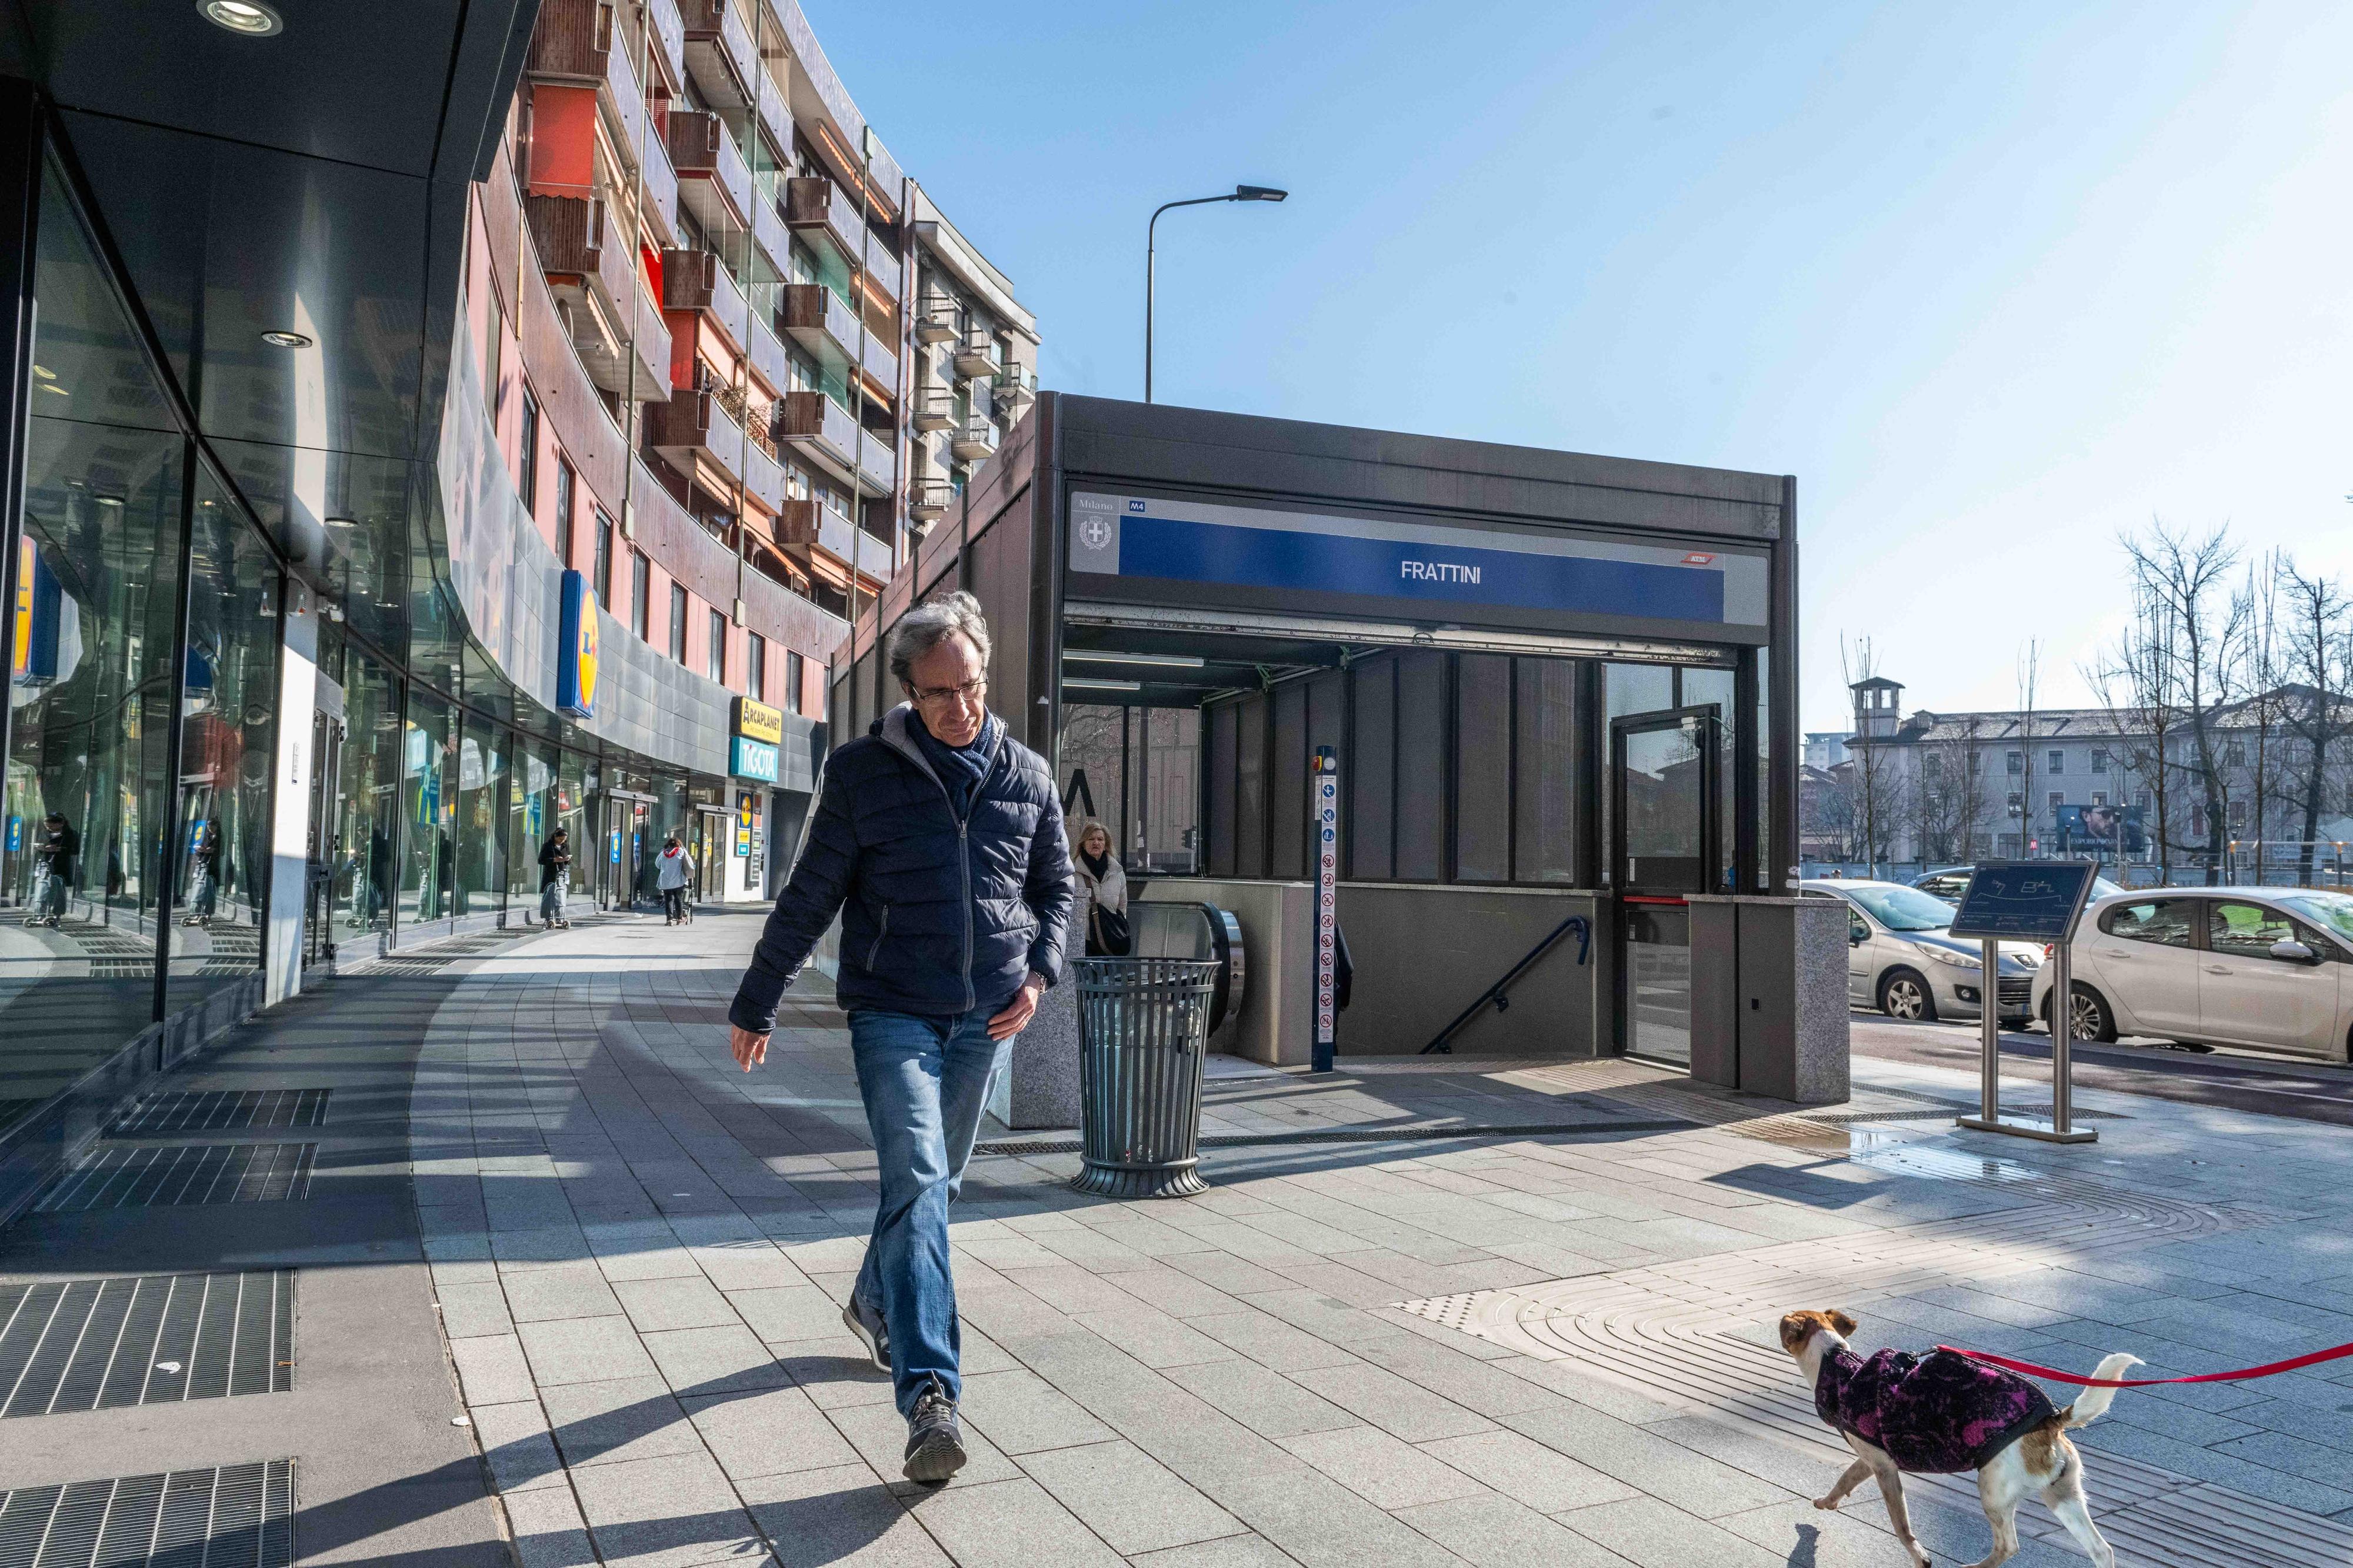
{"x": 2099, "y": 797}
{"x": 641, "y": 593}
{"x": 2245, "y": 931}
{"x": 2235, "y": 754}
{"x": 796, "y": 680}
{"x": 2017, "y": 763}
{"x": 756, "y": 665}
{"x": 2017, "y": 801}
{"x": 2165, "y": 921}
{"x": 716, "y": 657}
{"x": 2099, "y": 760}
{"x": 677, "y": 622}
{"x": 527, "y": 473}
{"x": 1933, "y": 765}
{"x": 2057, "y": 798}
{"x": 564, "y": 510}
{"x": 2237, "y": 813}
{"x": 2141, "y": 800}
{"x": 603, "y": 579}
{"x": 2058, "y": 763}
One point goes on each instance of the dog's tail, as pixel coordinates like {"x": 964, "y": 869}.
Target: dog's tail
{"x": 2095, "y": 1401}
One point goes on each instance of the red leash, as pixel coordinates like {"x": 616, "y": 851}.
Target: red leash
{"x": 2272, "y": 1370}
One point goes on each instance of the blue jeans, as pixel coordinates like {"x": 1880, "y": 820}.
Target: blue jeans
{"x": 924, "y": 1082}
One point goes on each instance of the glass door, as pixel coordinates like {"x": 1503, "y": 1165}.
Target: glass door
{"x": 1665, "y": 846}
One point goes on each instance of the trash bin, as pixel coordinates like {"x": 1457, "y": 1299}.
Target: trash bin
{"x": 1144, "y": 1028}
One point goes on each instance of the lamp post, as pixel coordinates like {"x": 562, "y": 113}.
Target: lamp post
{"x": 1240, "y": 193}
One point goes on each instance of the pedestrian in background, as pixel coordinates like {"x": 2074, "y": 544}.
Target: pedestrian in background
{"x": 938, "y": 838}
{"x": 53, "y": 856}
{"x": 673, "y": 870}
{"x": 556, "y": 879}
{"x": 1102, "y": 893}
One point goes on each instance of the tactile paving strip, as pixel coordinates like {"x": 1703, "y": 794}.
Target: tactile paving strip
{"x": 99, "y": 1344}
{"x": 1695, "y": 1334}
{"x": 223, "y": 1110}
{"x": 135, "y": 1177}
{"x": 238, "y": 1516}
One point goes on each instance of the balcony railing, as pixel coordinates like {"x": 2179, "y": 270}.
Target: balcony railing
{"x": 1017, "y": 388}
{"x": 976, "y": 355}
{"x": 973, "y": 440}
{"x": 816, "y": 318}
{"x": 714, "y": 180}
{"x": 825, "y": 430}
{"x": 814, "y": 204}
{"x": 935, "y": 409}
{"x": 929, "y": 500}
{"x": 571, "y": 39}
{"x": 717, "y": 37}
{"x": 935, "y": 320}
{"x": 593, "y": 274}
{"x": 694, "y": 281}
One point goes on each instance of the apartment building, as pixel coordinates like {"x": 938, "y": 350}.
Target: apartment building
{"x": 418, "y": 433}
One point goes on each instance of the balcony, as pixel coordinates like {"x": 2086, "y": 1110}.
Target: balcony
{"x": 573, "y": 41}
{"x": 971, "y": 441}
{"x": 693, "y": 424}
{"x": 935, "y": 320}
{"x": 814, "y": 205}
{"x": 596, "y": 282}
{"x": 719, "y": 51}
{"x": 805, "y": 522}
{"x": 929, "y": 500}
{"x": 825, "y": 432}
{"x": 764, "y": 476}
{"x": 693, "y": 281}
{"x": 880, "y": 358}
{"x": 976, "y": 355}
{"x": 769, "y": 361}
{"x": 935, "y": 409}
{"x": 713, "y": 181}
{"x": 1017, "y": 388}
{"x": 816, "y": 318}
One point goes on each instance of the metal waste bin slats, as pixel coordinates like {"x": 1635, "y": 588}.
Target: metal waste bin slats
{"x": 1144, "y": 1028}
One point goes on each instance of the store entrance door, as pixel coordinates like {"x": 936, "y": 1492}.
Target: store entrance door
{"x": 324, "y": 855}
{"x": 1665, "y": 846}
{"x": 628, "y": 820}
{"x": 714, "y": 841}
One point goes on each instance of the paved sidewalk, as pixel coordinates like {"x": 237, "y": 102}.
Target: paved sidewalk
{"x": 1536, "y": 1348}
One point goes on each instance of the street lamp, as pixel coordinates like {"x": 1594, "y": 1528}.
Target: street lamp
{"x": 1240, "y": 193}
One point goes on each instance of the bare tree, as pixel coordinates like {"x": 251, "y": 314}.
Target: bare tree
{"x": 2316, "y": 650}
{"x": 2265, "y": 707}
{"x": 2180, "y": 592}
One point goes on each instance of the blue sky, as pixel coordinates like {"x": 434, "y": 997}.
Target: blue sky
{"x": 1994, "y": 281}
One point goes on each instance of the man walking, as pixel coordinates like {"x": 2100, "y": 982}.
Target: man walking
{"x": 939, "y": 839}
{"x": 556, "y": 879}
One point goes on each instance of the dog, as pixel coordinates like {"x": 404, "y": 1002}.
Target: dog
{"x": 1943, "y": 1413}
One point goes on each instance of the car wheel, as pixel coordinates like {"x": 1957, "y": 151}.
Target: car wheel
{"x": 2091, "y": 1018}
{"x": 1903, "y": 995}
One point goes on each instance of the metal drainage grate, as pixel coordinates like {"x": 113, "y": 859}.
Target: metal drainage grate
{"x": 1363, "y": 1135}
{"x": 188, "y": 1174}
{"x": 223, "y": 1110}
{"x": 238, "y": 1516}
{"x": 99, "y": 1344}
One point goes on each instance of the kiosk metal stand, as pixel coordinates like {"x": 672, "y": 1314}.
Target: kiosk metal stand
{"x": 2027, "y": 900}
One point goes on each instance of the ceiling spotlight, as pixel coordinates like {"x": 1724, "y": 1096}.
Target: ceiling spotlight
{"x": 342, "y": 522}
{"x": 284, "y": 340}
{"x": 248, "y": 19}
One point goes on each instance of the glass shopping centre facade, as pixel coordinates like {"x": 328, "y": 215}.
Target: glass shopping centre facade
{"x": 292, "y": 678}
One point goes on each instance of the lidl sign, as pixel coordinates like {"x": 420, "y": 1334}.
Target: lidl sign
{"x": 576, "y": 653}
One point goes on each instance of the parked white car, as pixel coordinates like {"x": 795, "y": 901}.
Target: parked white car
{"x": 2270, "y": 968}
{"x": 1902, "y": 959}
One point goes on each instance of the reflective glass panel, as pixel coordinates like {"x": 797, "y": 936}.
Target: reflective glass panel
{"x": 480, "y": 883}
{"x": 429, "y": 809}
{"x": 367, "y": 839}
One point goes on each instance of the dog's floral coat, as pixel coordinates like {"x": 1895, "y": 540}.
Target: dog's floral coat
{"x": 1933, "y": 1415}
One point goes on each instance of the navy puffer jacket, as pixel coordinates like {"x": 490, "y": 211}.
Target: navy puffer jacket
{"x": 938, "y": 916}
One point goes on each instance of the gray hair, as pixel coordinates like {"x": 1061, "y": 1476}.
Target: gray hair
{"x": 928, "y": 625}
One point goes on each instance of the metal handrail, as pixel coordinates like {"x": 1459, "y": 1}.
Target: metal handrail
{"x": 1498, "y": 992}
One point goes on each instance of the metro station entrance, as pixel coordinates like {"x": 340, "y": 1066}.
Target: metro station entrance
{"x": 1559, "y": 689}
{"x": 1666, "y": 843}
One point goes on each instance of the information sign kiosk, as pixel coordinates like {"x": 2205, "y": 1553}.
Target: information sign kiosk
{"x": 2027, "y": 900}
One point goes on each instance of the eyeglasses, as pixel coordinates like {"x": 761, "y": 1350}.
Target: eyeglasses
{"x": 965, "y": 691}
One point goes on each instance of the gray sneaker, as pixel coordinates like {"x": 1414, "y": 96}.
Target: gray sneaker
{"x": 867, "y": 1323}
{"x": 934, "y": 1440}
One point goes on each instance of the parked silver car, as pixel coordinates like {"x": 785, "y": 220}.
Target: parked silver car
{"x": 1902, "y": 959}
{"x": 2270, "y": 968}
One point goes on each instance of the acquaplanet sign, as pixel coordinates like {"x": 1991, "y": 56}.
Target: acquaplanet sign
{"x": 1427, "y": 564}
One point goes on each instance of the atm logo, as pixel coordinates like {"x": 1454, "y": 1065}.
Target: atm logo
{"x": 1437, "y": 571}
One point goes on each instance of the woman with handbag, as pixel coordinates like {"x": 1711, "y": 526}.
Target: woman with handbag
{"x": 1102, "y": 888}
